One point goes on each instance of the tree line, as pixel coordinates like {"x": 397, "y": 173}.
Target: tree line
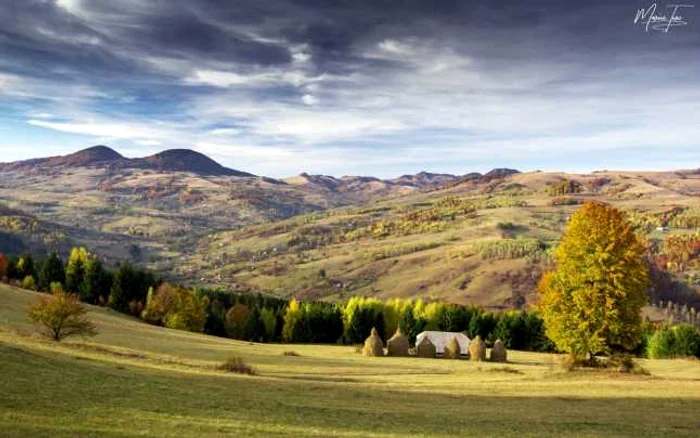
{"x": 256, "y": 317}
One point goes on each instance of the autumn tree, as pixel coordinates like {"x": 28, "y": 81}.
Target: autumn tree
{"x": 177, "y": 308}
{"x": 61, "y": 315}
{"x": 236, "y": 319}
{"x": 3, "y": 266}
{"x": 592, "y": 300}
{"x": 75, "y": 270}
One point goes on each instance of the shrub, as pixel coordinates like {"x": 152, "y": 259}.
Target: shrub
{"x": 29, "y": 283}
{"x": 624, "y": 363}
{"x": 61, "y": 315}
{"x": 678, "y": 341}
{"x": 236, "y": 364}
{"x": 291, "y": 353}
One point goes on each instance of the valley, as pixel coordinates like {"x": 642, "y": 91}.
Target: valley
{"x": 480, "y": 239}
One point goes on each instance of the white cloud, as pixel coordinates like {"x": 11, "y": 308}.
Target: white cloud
{"x": 149, "y": 142}
{"x": 394, "y": 47}
{"x": 224, "y": 131}
{"x": 309, "y": 99}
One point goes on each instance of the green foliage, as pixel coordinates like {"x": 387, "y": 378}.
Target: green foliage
{"x": 593, "y": 300}
{"x": 399, "y": 250}
{"x": 177, "y": 308}
{"x": 522, "y": 331}
{"x": 75, "y": 271}
{"x": 312, "y": 322}
{"x": 129, "y": 284}
{"x": 689, "y": 218}
{"x": 510, "y": 248}
{"x": 254, "y": 329}
{"x": 564, "y": 187}
{"x": 360, "y": 316}
{"x": 672, "y": 342}
{"x": 97, "y": 281}
{"x": 29, "y": 283}
{"x": 25, "y": 266}
{"x": 51, "y": 271}
{"x": 410, "y": 325}
{"x": 61, "y": 315}
{"x": 269, "y": 322}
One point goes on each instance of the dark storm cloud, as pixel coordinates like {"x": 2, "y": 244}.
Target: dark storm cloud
{"x": 338, "y": 75}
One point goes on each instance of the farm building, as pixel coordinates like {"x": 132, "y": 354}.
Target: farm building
{"x": 440, "y": 339}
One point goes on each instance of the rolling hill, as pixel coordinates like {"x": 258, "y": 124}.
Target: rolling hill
{"x": 482, "y": 239}
{"x": 135, "y": 379}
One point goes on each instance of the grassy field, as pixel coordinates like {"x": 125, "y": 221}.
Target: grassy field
{"x": 139, "y": 380}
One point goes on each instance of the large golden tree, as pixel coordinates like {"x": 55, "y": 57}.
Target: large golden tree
{"x": 593, "y": 299}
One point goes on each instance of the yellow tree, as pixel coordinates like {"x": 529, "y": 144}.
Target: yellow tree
{"x": 593, "y": 299}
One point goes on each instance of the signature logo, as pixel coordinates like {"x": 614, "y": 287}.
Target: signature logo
{"x": 662, "y": 21}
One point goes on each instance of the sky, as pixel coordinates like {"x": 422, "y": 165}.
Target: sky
{"x": 355, "y": 87}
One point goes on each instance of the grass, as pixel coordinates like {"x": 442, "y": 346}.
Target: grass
{"x": 139, "y": 380}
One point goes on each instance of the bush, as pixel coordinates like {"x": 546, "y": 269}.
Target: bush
{"x": 678, "y": 341}
{"x": 29, "y": 283}
{"x": 236, "y": 364}
{"x": 624, "y": 363}
{"x": 61, "y": 315}
{"x": 291, "y": 353}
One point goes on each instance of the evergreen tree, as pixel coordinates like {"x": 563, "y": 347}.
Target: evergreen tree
{"x": 123, "y": 285}
{"x": 75, "y": 271}
{"x": 52, "y": 271}
{"x": 254, "y": 329}
{"x": 95, "y": 281}
{"x": 25, "y": 266}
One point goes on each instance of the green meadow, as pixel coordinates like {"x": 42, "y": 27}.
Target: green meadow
{"x": 139, "y": 380}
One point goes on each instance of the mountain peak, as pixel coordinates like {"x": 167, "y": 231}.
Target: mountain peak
{"x": 187, "y": 160}
{"x": 91, "y": 155}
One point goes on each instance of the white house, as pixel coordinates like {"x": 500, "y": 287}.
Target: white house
{"x": 440, "y": 339}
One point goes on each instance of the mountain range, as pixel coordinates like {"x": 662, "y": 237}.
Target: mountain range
{"x": 472, "y": 238}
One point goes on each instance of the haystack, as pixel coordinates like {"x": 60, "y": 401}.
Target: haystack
{"x": 499, "y": 352}
{"x": 397, "y": 345}
{"x": 425, "y": 348}
{"x": 373, "y": 345}
{"x": 452, "y": 350}
{"x": 477, "y": 349}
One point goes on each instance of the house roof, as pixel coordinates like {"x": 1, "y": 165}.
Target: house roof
{"x": 440, "y": 339}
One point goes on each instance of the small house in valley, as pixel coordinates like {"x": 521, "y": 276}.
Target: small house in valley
{"x": 440, "y": 339}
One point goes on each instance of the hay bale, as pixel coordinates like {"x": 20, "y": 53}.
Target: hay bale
{"x": 426, "y": 348}
{"x": 452, "y": 350}
{"x": 373, "y": 345}
{"x": 397, "y": 345}
{"x": 499, "y": 352}
{"x": 477, "y": 349}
